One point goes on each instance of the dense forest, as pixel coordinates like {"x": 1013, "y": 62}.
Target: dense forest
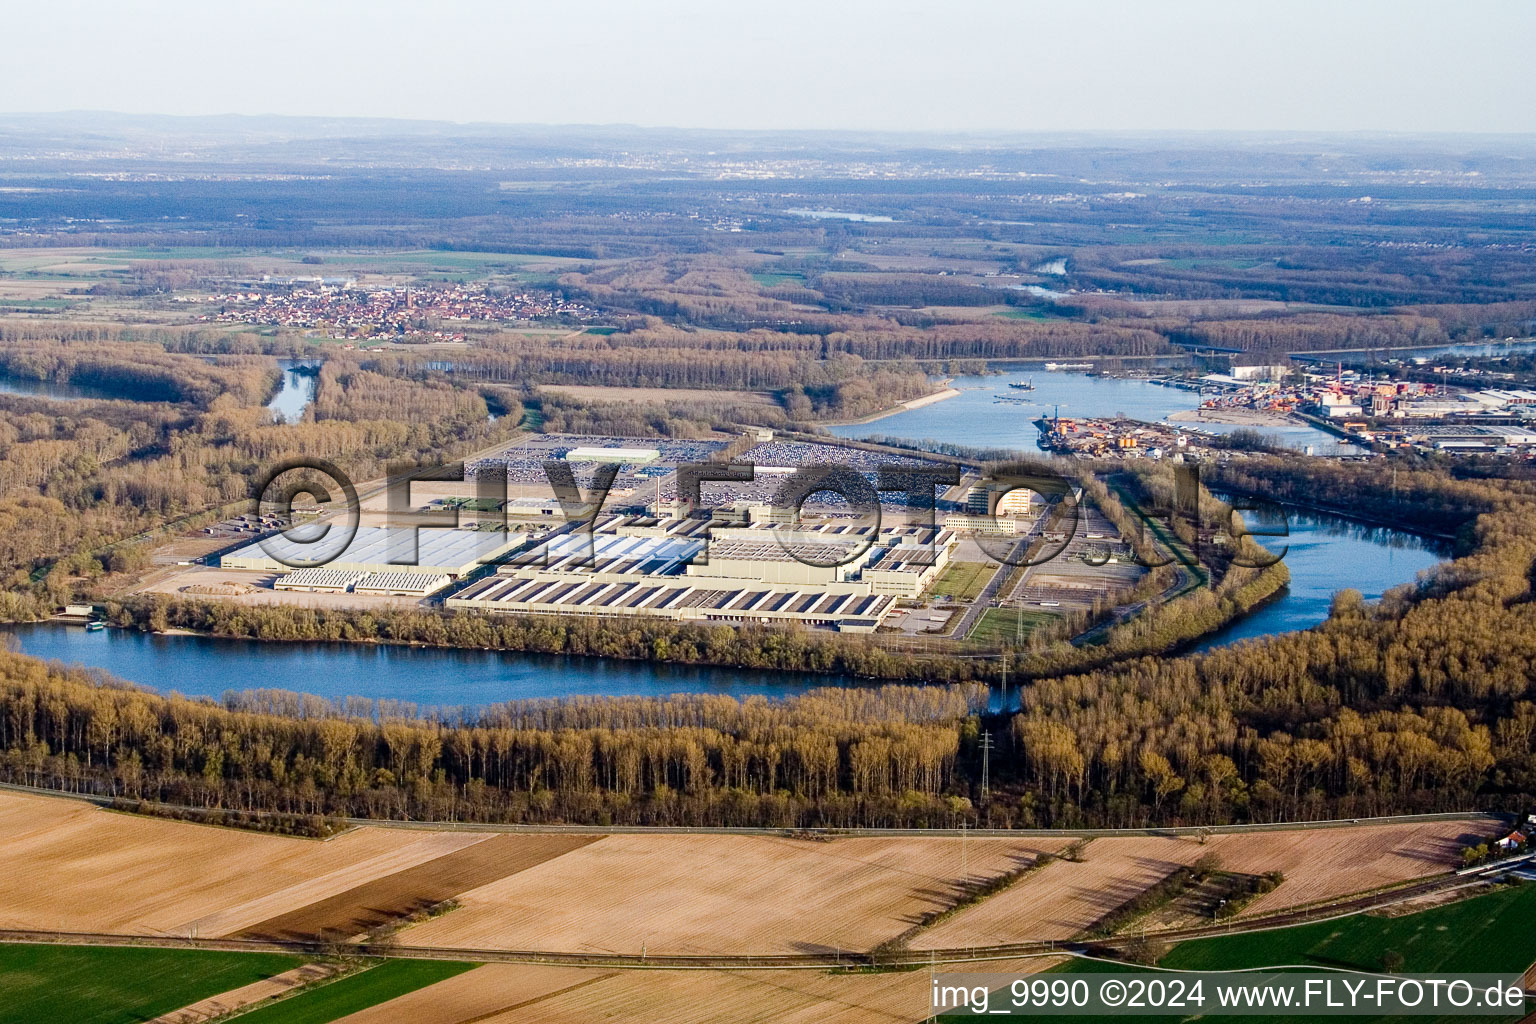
{"x": 83, "y": 482}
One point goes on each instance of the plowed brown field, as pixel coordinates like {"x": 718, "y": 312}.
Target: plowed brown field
{"x": 396, "y": 895}
{"x": 74, "y": 867}
{"x": 1327, "y": 863}
{"x": 713, "y": 893}
{"x": 1062, "y": 899}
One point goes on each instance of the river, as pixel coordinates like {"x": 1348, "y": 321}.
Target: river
{"x": 428, "y": 676}
{"x": 53, "y": 389}
{"x": 1325, "y": 554}
{"x": 976, "y": 417}
{"x": 297, "y": 391}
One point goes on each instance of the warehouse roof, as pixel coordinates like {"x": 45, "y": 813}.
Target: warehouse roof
{"x": 380, "y": 549}
{"x": 590, "y": 454}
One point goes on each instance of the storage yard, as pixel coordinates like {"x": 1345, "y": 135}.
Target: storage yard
{"x": 1094, "y": 563}
{"x": 734, "y": 560}
{"x": 644, "y": 462}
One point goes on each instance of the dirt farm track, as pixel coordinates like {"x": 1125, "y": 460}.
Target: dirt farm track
{"x": 658, "y": 899}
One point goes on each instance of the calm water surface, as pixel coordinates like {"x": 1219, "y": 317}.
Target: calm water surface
{"x": 978, "y": 418}
{"x": 297, "y": 392}
{"x": 53, "y": 389}
{"x": 1326, "y": 554}
{"x": 211, "y": 666}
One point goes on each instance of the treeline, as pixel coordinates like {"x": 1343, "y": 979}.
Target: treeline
{"x": 170, "y": 337}
{"x": 1305, "y": 332}
{"x": 347, "y": 392}
{"x": 838, "y": 758}
{"x": 1305, "y": 262}
{"x": 636, "y": 638}
{"x": 853, "y": 290}
{"x": 844, "y": 385}
{"x": 561, "y": 414}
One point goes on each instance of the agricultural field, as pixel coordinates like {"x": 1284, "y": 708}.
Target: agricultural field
{"x": 694, "y": 894}
{"x": 1063, "y": 899}
{"x": 516, "y": 993}
{"x": 106, "y": 985}
{"x": 257, "y": 993}
{"x": 175, "y": 877}
{"x": 391, "y": 897}
{"x": 340, "y": 999}
{"x": 1485, "y": 933}
{"x": 626, "y": 893}
{"x": 1326, "y": 864}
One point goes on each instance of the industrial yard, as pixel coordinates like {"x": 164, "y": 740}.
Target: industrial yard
{"x": 735, "y": 559}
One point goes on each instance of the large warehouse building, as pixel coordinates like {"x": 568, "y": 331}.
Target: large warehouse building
{"x": 378, "y": 549}
{"x": 832, "y": 576}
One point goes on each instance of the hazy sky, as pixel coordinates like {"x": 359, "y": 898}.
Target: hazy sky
{"x": 1379, "y": 65}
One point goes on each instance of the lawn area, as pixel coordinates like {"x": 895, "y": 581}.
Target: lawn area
{"x": 998, "y": 625}
{"x": 389, "y": 980}
{"x": 769, "y": 279}
{"x": 111, "y": 985}
{"x": 25, "y": 304}
{"x": 1484, "y": 934}
{"x": 963, "y": 580}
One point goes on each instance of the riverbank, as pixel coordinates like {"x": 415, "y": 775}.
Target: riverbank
{"x": 916, "y": 403}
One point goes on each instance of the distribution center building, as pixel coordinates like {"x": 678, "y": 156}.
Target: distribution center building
{"x": 379, "y": 549}
{"x": 834, "y": 576}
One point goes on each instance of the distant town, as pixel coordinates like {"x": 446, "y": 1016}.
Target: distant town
{"x": 342, "y": 310}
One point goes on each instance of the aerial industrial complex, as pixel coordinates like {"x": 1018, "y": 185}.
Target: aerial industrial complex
{"x": 830, "y": 575}
{"x": 736, "y": 557}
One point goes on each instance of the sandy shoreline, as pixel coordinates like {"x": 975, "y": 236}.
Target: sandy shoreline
{"x": 1244, "y": 417}
{"x": 916, "y": 403}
